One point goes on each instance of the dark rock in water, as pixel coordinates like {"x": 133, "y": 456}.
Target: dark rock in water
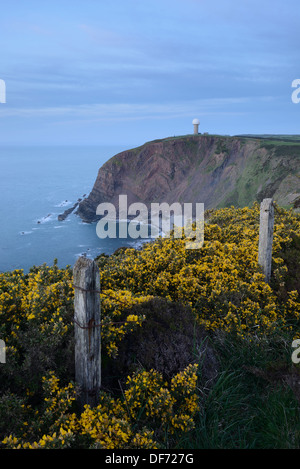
{"x": 66, "y": 213}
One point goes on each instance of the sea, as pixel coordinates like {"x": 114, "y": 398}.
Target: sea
{"x": 39, "y": 183}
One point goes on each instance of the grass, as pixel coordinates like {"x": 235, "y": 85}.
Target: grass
{"x": 275, "y": 139}
{"x": 250, "y": 406}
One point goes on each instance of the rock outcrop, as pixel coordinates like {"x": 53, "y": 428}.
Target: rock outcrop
{"x": 215, "y": 170}
{"x": 68, "y": 211}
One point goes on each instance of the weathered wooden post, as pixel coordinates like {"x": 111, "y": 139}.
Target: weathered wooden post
{"x": 266, "y": 226}
{"x": 87, "y": 329}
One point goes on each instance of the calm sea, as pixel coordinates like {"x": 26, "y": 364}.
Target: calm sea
{"x": 37, "y": 184}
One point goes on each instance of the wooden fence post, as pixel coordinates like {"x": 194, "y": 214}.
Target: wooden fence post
{"x": 266, "y": 226}
{"x": 87, "y": 329}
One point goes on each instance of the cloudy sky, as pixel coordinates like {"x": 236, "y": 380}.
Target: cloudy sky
{"x": 129, "y": 71}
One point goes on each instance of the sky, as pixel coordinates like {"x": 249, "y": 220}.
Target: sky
{"x": 93, "y": 72}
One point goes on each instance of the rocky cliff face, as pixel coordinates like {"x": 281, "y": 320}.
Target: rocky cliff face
{"x": 217, "y": 171}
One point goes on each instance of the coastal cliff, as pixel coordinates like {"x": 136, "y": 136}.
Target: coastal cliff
{"x": 218, "y": 171}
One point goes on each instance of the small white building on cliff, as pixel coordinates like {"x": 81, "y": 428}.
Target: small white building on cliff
{"x": 196, "y": 123}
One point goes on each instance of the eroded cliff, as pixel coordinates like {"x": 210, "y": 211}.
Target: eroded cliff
{"x": 215, "y": 170}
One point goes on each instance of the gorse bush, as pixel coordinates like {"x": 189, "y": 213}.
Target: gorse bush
{"x": 221, "y": 282}
{"x": 181, "y": 292}
{"x": 149, "y": 403}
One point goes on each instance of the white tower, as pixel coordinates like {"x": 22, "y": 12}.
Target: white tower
{"x": 196, "y": 123}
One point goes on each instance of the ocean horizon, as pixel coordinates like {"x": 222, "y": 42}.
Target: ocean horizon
{"x": 38, "y": 183}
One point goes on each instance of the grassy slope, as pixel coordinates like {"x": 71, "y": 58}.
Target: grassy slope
{"x": 262, "y": 178}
